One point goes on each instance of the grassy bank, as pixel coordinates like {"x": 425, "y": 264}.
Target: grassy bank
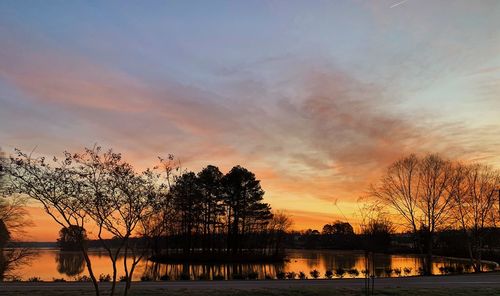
{"x": 269, "y": 292}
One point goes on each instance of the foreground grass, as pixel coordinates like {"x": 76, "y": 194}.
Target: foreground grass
{"x": 273, "y": 292}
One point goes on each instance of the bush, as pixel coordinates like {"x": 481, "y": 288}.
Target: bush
{"x": 281, "y": 275}
{"x": 353, "y": 272}
{"x": 218, "y": 277}
{"x": 239, "y": 276}
{"x": 329, "y": 274}
{"x": 291, "y": 275}
{"x": 340, "y": 272}
{"x": 165, "y": 277}
{"x": 379, "y": 272}
{"x": 460, "y": 269}
{"x": 388, "y": 271}
{"x": 34, "y": 279}
{"x": 83, "y": 278}
{"x": 253, "y": 275}
{"x": 204, "y": 277}
{"x": 302, "y": 275}
{"x": 315, "y": 274}
{"x": 397, "y": 271}
{"x": 123, "y": 278}
{"x": 104, "y": 277}
{"x": 145, "y": 278}
{"x": 185, "y": 277}
{"x": 61, "y": 280}
{"x": 407, "y": 271}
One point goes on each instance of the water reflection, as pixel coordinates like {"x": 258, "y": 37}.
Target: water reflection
{"x": 50, "y": 264}
{"x": 70, "y": 263}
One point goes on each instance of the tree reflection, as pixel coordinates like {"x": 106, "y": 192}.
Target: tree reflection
{"x": 70, "y": 263}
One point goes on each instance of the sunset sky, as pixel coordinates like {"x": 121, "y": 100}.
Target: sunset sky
{"x": 315, "y": 97}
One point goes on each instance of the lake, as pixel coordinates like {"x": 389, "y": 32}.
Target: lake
{"x": 48, "y": 264}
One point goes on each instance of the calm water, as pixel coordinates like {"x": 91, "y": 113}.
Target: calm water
{"x": 48, "y": 264}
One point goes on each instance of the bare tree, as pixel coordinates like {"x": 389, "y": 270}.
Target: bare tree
{"x": 119, "y": 200}
{"x": 56, "y": 188}
{"x": 474, "y": 192}
{"x": 279, "y": 225}
{"x": 418, "y": 189}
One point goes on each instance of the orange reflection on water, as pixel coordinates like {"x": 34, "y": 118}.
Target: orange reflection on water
{"x": 49, "y": 264}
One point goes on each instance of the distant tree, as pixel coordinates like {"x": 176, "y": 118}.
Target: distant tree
{"x": 338, "y": 228}
{"x": 13, "y": 221}
{"x": 71, "y": 238}
{"x": 377, "y": 235}
{"x": 279, "y": 225}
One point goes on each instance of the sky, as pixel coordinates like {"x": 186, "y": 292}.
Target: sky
{"x": 316, "y": 98}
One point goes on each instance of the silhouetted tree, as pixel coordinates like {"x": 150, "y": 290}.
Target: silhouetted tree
{"x": 245, "y": 210}
{"x": 418, "y": 189}
{"x": 338, "y": 227}
{"x": 118, "y": 200}
{"x": 71, "y": 238}
{"x": 56, "y": 188}
{"x": 279, "y": 225}
{"x": 187, "y": 200}
{"x": 474, "y": 191}
{"x": 209, "y": 183}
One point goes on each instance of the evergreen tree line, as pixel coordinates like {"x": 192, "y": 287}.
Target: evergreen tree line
{"x": 214, "y": 213}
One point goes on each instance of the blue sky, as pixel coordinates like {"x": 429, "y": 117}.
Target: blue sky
{"x": 316, "y": 97}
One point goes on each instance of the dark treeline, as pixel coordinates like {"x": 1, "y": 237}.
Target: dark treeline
{"x": 210, "y": 213}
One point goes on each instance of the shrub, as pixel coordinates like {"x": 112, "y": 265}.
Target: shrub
{"x": 315, "y": 274}
{"x": 253, "y": 275}
{"x": 451, "y": 269}
{"x": 281, "y": 275}
{"x": 397, "y": 271}
{"x": 291, "y": 275}
{"x": 185, "y": 276}
{"x": 34, "y": 279}
{"x": 460, "y": 269}
{"x": 145, "y": 278}
{"x": 268, "y": 277}
{"x": 340, "y": 272}
{"x": 123, "y": 278}
{"x": 61, "y": 280}
{"x": 407, "y": 271}
{"x": 165, "y": 277}
{"x": 82, "y": 278}
{"x": 239, "y": 276}
{"x": 379, "y": 272}
{"x": 302, "y": 275}
{"x": 353, "y": 272}
{"x": 104, "y": 277}
{"x": 388, "y": 271}
{"x": 329, "y": 274}
{"x": 420, "y": 271}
